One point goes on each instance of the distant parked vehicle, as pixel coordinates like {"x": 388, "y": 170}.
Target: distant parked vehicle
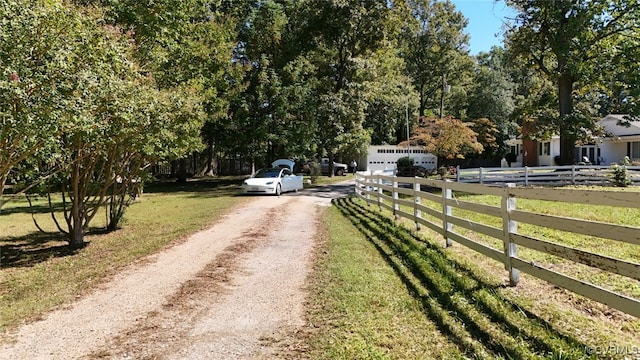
{"x": 339, "y": 169}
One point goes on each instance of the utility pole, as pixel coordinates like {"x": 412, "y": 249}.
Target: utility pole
{"x": 406, "y": 117}
{"x": 445, "y": 89}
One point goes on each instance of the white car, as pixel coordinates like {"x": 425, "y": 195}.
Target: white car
{"x": 275, "y": 180}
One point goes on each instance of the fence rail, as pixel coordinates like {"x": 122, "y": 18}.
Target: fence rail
{"x": 385, "y": 192}
{"x": 574, "y": 174}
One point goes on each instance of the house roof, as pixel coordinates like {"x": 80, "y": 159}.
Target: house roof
{"x": 613, "y": 127}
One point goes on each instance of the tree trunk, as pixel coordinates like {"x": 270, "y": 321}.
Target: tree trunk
{"x": 182, "y": 171}
{"x": 422, "y": 101}
{"x": 3, "y": 181}
{"x": 567, "y": 139}
{"x": 174, "y": 168}
{"x": 567, "y": 149}
{"x": 211, "y": 169}
{"x": 77, "y": 235}
{"x": 76, "y": 232}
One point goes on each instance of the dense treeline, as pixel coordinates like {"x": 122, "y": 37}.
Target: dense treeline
{"x": 93, "y": 93}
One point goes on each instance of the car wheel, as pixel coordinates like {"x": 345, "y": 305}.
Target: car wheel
{"x": 278, "y": 190}
{"x": 339, "y": 172}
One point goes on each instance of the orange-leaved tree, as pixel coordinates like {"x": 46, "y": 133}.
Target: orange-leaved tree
{"x": 447, "y": 138}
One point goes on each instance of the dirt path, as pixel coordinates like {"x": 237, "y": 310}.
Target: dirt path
{"x": 233, "y": 291}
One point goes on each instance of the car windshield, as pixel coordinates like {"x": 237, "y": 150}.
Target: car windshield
{"x": 267, "y": 173}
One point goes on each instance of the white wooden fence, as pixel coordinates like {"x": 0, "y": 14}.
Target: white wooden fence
{"x": 384, "y": 191}
{"x": 574, "y": 174}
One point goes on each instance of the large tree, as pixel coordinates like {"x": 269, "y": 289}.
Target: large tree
{"x": 117, "y": 123}
{"x": 617, "y": 90}
{"x": 261, "y": 110}
{"x": 566, "y": 40}
{"x": 436, "y": 51}
{"x": 185, "y": 44}
{"x": 269, "y": 118}
{"x": 447, "y": 138}
{"x": 390, "y": 98}
{"x": 81, "y": 114}
{"x": 345, "y": 34}
{"x": 491, "y": 99}
{"x": 37, "y": 45}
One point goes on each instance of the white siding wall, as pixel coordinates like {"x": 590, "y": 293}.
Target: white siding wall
{"x": 613, "y": 151}
{"x": 385, "y": 157}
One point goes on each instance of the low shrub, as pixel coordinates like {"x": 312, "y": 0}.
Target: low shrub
{"x": 620, "y": 174}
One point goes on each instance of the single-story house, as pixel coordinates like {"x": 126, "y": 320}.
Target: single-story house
{"x": 619, "y": 141}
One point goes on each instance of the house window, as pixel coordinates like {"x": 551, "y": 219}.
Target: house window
{"x": 547, "y": 148}
{"x": 633, "y": 149}
{"x": 544, "y": 148}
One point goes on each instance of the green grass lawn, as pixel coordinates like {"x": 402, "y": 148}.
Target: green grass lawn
{"x": 382, "y": 291}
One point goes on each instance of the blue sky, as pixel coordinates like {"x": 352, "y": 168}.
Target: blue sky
{"x": 485, "y": 21}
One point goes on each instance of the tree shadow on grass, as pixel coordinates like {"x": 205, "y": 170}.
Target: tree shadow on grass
{"x": 467, "y": 309}
{"x": 213, "y": 187}
{"x": 34, "y": 209}
{"x": 34, "y": 248}
{"x": 37, "y": 247}
{"x": 223, "y": 186}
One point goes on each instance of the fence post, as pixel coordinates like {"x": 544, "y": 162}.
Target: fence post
{"x": 416, "y": 201}
{"x": 573, "y": 174}
{"x": 446, "y": 212}
{"x": 509, "y": 227}
{"x": 457, "y": 173}
{"x": 355, "y": 188}
{"x": 526, "y": 176}
{"x": 380, "y": 193}
{"x": 396, "y": 206}
{"x": 367, "y": 188}
{"x": 480, "y": 174}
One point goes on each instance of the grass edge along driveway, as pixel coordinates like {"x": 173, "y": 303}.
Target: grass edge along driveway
{"x": 381, "y": 291}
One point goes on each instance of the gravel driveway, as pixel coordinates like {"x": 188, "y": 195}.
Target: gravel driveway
{"x": 233, "y": 291}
